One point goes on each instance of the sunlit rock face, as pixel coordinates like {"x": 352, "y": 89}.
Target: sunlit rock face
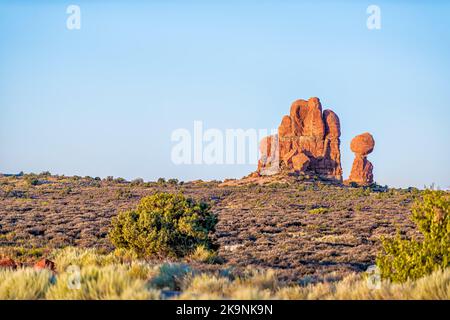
{"x": 362, "y": 168}
{"x": 307, "y": 141}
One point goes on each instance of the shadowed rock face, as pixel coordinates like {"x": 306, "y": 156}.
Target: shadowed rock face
{"x": 307, "y": 141}
{"x": 362, "y": 168}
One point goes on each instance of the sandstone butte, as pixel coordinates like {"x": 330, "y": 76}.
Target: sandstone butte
{"x": 308, "y": 141}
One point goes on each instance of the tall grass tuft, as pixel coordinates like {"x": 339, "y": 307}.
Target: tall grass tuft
{"x": 102, "y": 283}
{"x": 24, "y": 284}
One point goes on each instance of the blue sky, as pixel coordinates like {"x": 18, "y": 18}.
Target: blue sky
{"x": 104, "y": 100}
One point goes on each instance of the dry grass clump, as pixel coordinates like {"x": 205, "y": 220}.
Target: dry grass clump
{"x": 354, "y": 287}
{"x": 205, "y": 255}
{"x": 252, "y": 285}
{"x": 171, "y": 276}
{"x": 24, "y": 284}
{"x": 82, "y": 274}
{"x": 81, "y": 257}
{"x": 87, "y": 274}
{"x": 102, "y": 283}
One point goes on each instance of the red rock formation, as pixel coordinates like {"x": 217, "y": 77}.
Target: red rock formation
{"x": 361, "y": 173}
{"x": 45, "y": 264}
{"x": 8, "y": 263}
{"x": 307, "y": 140}
{"x": 269, "y": 155}
{"x": 362, "y": 144}
{"x": 300, "y": 162}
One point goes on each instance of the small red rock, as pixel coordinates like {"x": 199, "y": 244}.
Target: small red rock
{"x": 45, "y": 264}
{"x": 8, "y": 263}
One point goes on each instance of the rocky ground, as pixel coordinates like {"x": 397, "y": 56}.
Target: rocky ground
{"x": 301, "y": 227}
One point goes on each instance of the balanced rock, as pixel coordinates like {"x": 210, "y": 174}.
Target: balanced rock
{"x": 362, "y": 168}
{"x": 362, "y": 144}
{"x": 307, "y": 141}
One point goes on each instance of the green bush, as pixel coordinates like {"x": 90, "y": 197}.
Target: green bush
{"x": 162, "y": 225}
{"x": 404, "y": 259}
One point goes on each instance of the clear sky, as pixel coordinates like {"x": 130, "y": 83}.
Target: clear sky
{"x": 104, "y": 100}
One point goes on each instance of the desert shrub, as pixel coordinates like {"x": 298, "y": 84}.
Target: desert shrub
{"x": 353, "y": 184}
{"x": 24, "y": 284}
{"x": 124, "y": 194}
{"x": 66, "y": 191}
{"x": 81, "y": 257}
{"x": 206, "y": 286}
{"x": 31, "y": 180}
{"x": 205, "y": 255}
{"x": 123, "y": 255}
{"x": 263, "y": 285}
{"x": 318, "y": 210}
{"x": 171, "y": 276}
{"x": 161, "y": 181}
{"x": 172, "y": 181}
{"x": 137, "y": 182}
{"x": 262, "y": 279}
{"x": 20, "y": 253}
{"x": 252, "y": 285}
{"x": 404, "y": 259}
{"x": 163, "y": 225}
{"x": 101, "y": 283}
{"x": 142, "y": 270}
{"x": 278, "y": 185}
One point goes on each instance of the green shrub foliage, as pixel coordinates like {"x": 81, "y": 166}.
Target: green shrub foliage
{"x": 404, "y": 259}
{"x": 164, "y": 224}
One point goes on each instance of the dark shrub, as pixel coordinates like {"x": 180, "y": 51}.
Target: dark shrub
{"x": 164, "y": 224}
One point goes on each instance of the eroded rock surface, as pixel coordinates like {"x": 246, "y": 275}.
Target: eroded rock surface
{"x": 307, "y": 141}
{"x": 362, "y": 169}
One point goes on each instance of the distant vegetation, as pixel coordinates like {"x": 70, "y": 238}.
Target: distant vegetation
{"x": 164, "y": 242}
